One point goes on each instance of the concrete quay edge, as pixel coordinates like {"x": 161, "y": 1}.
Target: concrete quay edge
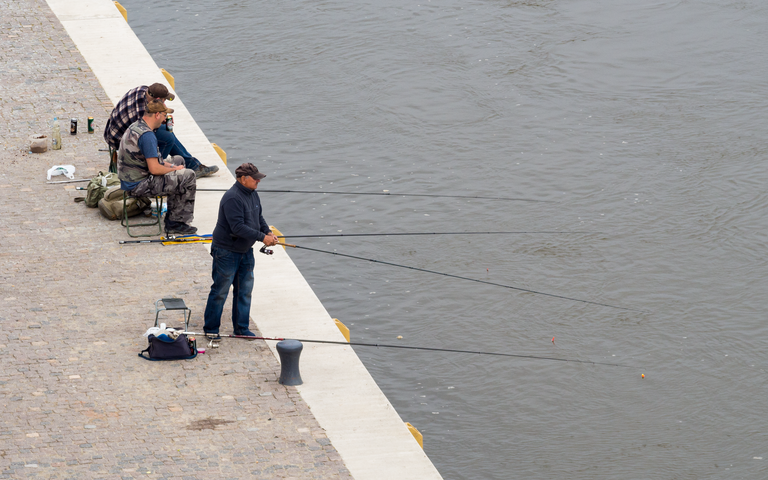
{"x": 365, "y": 429}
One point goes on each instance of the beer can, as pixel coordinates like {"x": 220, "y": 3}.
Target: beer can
{"x": 169, "y": 123}
{"x": 90, "y": 124}
{"x": 73, "y": 126}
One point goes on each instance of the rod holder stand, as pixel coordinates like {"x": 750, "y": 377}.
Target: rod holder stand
{"x": 289, "y": 351}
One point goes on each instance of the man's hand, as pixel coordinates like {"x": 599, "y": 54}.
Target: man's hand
{"x": 270, "y": 240}
{"x": 157, "y": 168}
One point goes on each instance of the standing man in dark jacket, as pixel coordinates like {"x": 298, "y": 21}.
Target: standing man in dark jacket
{"x": 239, "y": 226}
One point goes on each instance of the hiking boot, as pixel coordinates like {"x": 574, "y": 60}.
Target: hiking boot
{"x": 203, "y": 171}
{"x": 179, "y": 228}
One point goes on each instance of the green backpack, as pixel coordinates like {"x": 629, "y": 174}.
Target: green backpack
{"x": 98, "y": 186}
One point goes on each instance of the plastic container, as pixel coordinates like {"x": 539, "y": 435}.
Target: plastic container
{"x": 38, "y": 143}
{"x": 56, "y": 135}
{"x": 154, "y": 210}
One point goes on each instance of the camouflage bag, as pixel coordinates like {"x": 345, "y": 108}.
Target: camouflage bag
{"x": 111, "y": 206}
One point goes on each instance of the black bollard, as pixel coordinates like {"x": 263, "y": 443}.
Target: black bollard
{"x": 289, "y": 351}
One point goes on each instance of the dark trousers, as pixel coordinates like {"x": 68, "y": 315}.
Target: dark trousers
{"x": 170, "y": 145}
{"x": 230, "y": 269}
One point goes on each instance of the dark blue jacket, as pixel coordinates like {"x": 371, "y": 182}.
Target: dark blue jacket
{"x": 240, "y": 223}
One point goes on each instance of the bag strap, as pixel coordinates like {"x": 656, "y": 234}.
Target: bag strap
{"x": 146, "y": 350}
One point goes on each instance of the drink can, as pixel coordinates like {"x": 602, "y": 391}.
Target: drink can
{"x": 169, "y": 123}
{"x": 73, "y": 126}
{"x": 90, "y": 124}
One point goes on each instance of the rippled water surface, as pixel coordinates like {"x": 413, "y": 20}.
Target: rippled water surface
{"x": 641, "y": 124}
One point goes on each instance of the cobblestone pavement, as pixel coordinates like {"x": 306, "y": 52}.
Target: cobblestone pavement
{"x": 77, "y": 401}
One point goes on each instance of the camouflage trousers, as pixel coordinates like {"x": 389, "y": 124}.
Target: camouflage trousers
{"x": 178, "y": 186}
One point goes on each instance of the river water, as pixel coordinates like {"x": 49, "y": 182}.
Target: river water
{"x": 640, "y": 123}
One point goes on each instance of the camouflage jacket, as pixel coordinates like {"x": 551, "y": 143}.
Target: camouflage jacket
{"x": 131, "y": 163}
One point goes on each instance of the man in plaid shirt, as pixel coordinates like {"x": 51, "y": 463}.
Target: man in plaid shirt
{"x": 131, "y": 108}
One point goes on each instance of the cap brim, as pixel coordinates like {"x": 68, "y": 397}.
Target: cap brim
{"x": 258, "y": 176}
{"x": 168, "y": 110}
{"x": 170, "y": 97}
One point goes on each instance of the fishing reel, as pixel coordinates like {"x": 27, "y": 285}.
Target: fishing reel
{"x": 265, "y": 250}
{"x": 213, "y": 340}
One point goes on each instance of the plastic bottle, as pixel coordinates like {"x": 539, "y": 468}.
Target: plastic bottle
{"x": 56, "y": 136}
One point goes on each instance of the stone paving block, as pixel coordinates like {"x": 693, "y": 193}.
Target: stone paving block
{"x": 77, "y": 400}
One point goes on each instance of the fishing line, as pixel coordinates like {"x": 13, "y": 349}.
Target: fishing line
{"x": 408, "y": 347}
{"x": 423, "y": 233}
{"x": 384, "y": 193}
{"x": 463, "y": 278}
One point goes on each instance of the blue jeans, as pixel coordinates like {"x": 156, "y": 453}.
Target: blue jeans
{"x": 236, "y": 269}
{"x": 170, "y": 145}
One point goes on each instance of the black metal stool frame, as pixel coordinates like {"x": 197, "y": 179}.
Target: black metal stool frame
{"x": 173, "y": 304}
{"x": 124, "y": 221}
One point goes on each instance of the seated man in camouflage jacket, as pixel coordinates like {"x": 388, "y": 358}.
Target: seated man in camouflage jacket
{"x": 131, "y": 108}
{"x": 143, "y": 173}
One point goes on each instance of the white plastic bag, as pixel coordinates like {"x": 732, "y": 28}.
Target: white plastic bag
{"x": 68, "y": 170}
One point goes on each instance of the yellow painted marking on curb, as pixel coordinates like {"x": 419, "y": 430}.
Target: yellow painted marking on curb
{"x": 122, "y": 10}
{"x": 169, "y": 77}
{"x": 416, "y": 434}
{"x": 342, "y": 327}
{"x": 221, "y": 152}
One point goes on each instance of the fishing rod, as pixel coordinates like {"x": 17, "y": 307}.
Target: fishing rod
{"x": 324, "y": 235}
{"x": 169, "y": 238}
{"x": 386, "y": 193}
{"x": 266, "y": 251}
{"x": 408, "y": 347}
{"x": 462, "y": 278}
{"x": 70, "y": 181}
{"x": 422, "y": 233}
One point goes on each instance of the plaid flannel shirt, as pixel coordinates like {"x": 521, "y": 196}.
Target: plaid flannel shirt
{"x": 129, "y": 109}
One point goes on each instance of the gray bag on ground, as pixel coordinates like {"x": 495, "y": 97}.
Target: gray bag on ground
{"x": 111, "y": 206}
{"x": 98, "y": 186}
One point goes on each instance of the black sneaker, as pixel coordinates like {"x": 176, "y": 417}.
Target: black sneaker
{"x": 246, "y": 333}
{"x": 203, "y": 171}
{"x": 179, "y": 228}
